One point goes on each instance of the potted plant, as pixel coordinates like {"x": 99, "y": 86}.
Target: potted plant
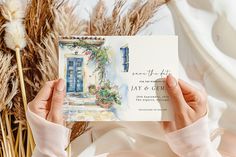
{"x": 92, "y": 89}
{"x": 107, "y": 95}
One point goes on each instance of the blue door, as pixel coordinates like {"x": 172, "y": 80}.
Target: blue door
{"x": 74, "y": 75}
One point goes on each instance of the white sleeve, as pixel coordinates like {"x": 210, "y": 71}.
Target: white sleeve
{"x": 51, "y": 139}
{"x": 192, "y": 141}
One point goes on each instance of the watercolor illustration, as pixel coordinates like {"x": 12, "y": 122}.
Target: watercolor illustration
{"x": 91, "y": 91}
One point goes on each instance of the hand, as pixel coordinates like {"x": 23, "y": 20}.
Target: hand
{"x": 49, "y": 100}
{"x": 189, "y": 104}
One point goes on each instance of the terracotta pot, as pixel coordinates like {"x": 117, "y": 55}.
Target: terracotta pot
{"x": 104, "y": 105}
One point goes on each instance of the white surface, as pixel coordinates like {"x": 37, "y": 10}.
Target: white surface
{"x": 206, "y": 30}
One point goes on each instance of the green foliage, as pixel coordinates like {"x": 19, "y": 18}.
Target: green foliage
{"x": 98, "y": 55}
{"x": 108, "y": 94}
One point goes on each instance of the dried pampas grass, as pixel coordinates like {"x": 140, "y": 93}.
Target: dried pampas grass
{"x": 67, "y": 23}
{"x": 2, "y": 31}
{"x": 37, "y": 30}
{"x": 10, "y": 84}
{"x": 13, "y": 9}
{"x": 44, "y": 21}
{"x": 136, "y": 18}
{"x": 78, "y": 128}
{"x": 7, "y": 81}
{"x": 15, "y": 34}
{"x": 39, "y": 19}
{"x": 49, "y": 59}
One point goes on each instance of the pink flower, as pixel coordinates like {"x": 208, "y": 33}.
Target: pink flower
{"x": 87, "y": 52}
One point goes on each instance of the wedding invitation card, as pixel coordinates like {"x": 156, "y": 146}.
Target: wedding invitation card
{"x": 117, "y": 78}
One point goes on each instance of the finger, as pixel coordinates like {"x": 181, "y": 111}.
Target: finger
{"x": 187, "y": 88}
{"x": 196, "y": 98}
{"x": 57, "y": 101}
{"x": 197, "y": 95}
{"x": 175, "y": 93}
{"x": 46, "y": 91}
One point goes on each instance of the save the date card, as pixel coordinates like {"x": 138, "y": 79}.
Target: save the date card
{"x": 117, "y": 78}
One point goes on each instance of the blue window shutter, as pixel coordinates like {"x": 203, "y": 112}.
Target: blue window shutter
{"x": 125, "y": 57}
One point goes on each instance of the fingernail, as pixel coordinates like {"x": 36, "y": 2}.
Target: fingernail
{"x": 171, "y": 81}
{"x": 60, "y": 85}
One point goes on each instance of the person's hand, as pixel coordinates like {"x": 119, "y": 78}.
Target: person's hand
{"x": 49, "y": 100}
{"x": 189, "y": 104}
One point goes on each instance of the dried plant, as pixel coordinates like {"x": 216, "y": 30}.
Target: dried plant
{"x": 18, "y": 110}
{"x": 14, "y": 38}
{"x": 67, "y": 22}
{"x": 7, "y": 81}
{"x": 38, "y": 23}
{"x": 136, "y": 17}
{"x": 39, "y": 19}
{"x": 9, "y": 85}
{"x": 49, "y": 59}
{"x": 2, "y": 30}
{"x": 14, "y": 35}
{"x": 78, "y": 128}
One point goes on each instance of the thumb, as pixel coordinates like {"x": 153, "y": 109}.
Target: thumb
{"x": 175, "y": 93}
{"x": 55, "y": 114}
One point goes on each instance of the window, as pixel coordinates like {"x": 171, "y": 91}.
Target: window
{"x": 125, "y": 57}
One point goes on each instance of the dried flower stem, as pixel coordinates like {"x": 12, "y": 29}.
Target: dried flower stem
{"x": 22, "y": 84}
{"x": 4, "y": 136}
{"x": 30, "y": 141}
{"x": 17, "y": 142}
{"x": 21, "y": 145}
{"x": 9, "y": 130}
